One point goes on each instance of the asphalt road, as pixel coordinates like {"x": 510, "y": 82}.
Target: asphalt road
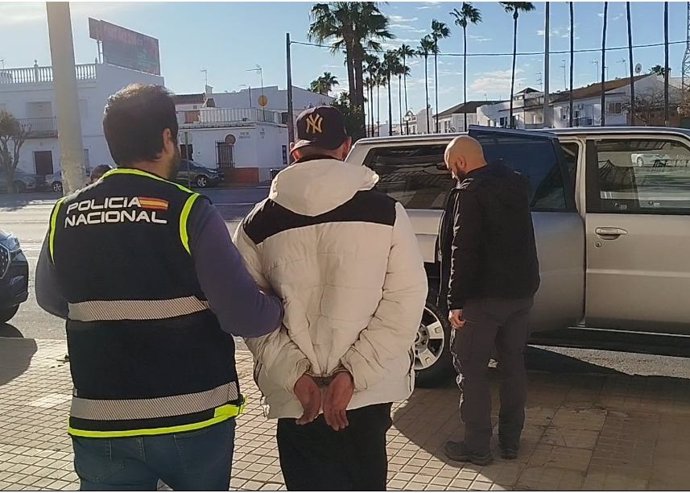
{"x": 27, "y": 217}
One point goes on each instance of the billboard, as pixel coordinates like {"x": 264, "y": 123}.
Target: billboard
{"x": 126, "y": 48}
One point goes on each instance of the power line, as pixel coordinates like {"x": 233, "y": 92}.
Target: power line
{"x": 524, "y": 53}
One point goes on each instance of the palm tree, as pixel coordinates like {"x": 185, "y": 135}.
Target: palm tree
{"x": 380, "y": 82}
{"x": 403, "y": 71}
{"x": 632, "y": 63}
{"x": 389, "y": 68}
{"x": 439, "y": 30}
{"x": 468, "y": 14}
{"x": 406, "y": 51}
{"x": 572, "y": 63}
{"x": 603, "y": 65}
{"x": 515, "y": 8}
{"x": 324, "y": 84}
{"x": 371, "y": 70}
{"x": 426, "y": 47}
{"x": 354, "y": 28}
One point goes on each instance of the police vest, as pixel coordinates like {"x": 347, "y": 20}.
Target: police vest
{"x": 147, "y": 355}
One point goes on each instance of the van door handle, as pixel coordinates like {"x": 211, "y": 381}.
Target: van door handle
{"x": 610, "y": 233}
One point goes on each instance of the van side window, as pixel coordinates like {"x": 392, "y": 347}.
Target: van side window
{"x": 415, "y": 175}
{"x": 642, "y": 176}
{"x": 534, "y": 158}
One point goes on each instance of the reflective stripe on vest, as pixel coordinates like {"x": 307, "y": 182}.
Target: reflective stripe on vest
{"x": 220, "y": 414}
{"x": 159, "y": 407}
{"x": 94, "y": 311}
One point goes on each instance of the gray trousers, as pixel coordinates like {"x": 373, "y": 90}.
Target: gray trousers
{"x": 489, "y": 323}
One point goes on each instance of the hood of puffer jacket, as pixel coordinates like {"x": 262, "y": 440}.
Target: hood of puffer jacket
{"x": 312, "y": 188}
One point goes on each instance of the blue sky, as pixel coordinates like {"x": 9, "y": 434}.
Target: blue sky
{"x": 226, "y": 39}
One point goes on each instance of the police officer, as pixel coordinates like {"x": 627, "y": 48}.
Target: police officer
{"x": 490, "y": 273}
{"x": 152, "y": 287}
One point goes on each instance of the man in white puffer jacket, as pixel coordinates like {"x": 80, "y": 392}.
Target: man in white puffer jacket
{"x": 345, "y": 261}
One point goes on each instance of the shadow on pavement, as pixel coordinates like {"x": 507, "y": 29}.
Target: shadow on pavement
{"x": 431, "y": 416}
{"x": 15, "y": 353}
{"x": 15, "y": 202}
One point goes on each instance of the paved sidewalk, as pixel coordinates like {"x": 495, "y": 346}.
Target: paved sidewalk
{"x": 604, "y": 431}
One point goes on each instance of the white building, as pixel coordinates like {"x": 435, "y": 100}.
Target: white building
{"x": 276, "y": 98}
{"x": 528, "y": 106}
{"x": 29, "y": 95}
{"x": 233, "y": 132}
{"x": 453, "y": 119}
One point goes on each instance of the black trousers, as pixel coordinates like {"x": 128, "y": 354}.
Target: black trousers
{"x": 504, "y": 324}
{"x": 314, "y": 457}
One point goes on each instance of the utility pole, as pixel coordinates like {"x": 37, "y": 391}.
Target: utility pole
{"x": 290, "y": 119}
{"x": 66, "y": 97}
{"x": 603, "y": 66}
{"x": 666, "y": 67}
{"x": 546, "y": 114}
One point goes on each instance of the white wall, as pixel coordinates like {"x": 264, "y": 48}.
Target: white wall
{"x": 92, "y": 94}
{"x": 256, "y": 145}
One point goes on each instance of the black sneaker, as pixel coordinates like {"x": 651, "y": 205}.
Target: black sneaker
{"x": 509, "y": 452}
{"x": 456, "y": 451}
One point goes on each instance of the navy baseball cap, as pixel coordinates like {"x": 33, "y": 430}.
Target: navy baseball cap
{"x": 322, "y": 127}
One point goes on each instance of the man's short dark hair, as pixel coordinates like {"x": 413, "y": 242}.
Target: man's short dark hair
{"x": 134, "y": 121}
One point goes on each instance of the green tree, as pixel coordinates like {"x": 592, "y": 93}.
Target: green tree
{"x": 426, "y": 48}
{"x": 439, "y": 30}
{"x": 658, "y": 70}
{"x": 352, "y": 115}
{"x": 515, "y": 8}
{"x": 354, "y": 28}
{"x": 12, "y": 137}
{"x": 324, "y": 84}
{"x": 468, "y": 14}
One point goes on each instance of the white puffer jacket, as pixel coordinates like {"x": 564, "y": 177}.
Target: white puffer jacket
{"x": 347, "y": 265}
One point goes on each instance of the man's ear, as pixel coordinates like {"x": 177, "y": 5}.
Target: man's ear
{"x": 345, "y": 148}
{"x": 169, "y": 143}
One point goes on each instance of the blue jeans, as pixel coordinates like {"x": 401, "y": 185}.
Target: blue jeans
{"x": 195, "y": 460}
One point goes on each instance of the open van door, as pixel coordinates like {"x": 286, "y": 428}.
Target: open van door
{"x": 558, "y": 227}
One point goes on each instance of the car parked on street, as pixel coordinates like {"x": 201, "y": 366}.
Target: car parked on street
{"x": 613, "y": 235}
{"x": 23, "y": 181}
{"x": 14, "y": 276}
{"x": 198, "y": 175}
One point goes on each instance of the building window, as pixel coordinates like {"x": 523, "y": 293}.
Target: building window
{"x": 187, "y": 151}
{"x": 615, "y": 108}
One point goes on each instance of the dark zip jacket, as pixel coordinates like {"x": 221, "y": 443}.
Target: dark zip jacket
{"x": 486, "y": 239}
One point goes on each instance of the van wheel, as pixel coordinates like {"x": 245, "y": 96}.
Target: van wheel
{"x": 57, "y": 187}
{"x": 201, "y": 181}
{"x": 433, "y": 361}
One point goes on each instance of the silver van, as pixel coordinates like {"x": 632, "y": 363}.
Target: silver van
{"x": 611, "y": 209}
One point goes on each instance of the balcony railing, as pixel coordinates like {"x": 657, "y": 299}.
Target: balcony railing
{"x": 38, "y": 75}
{"x": 40, "y": 127}
{"x": 217, "y": 116}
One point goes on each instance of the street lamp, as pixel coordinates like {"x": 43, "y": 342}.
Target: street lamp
{"x": 261, "y": 76}
{"x": 407, "y": 118}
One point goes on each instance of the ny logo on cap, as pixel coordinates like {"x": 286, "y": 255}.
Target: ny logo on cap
{"x": 314, "y": 122}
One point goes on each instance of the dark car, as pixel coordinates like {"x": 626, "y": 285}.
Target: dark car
{"x": 23, "y": 181}
{"x": 197, "y": 175}
{"x": 14, "y": 276}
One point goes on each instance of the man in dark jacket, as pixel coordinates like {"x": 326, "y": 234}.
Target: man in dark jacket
{"x": 489, "y": 275}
